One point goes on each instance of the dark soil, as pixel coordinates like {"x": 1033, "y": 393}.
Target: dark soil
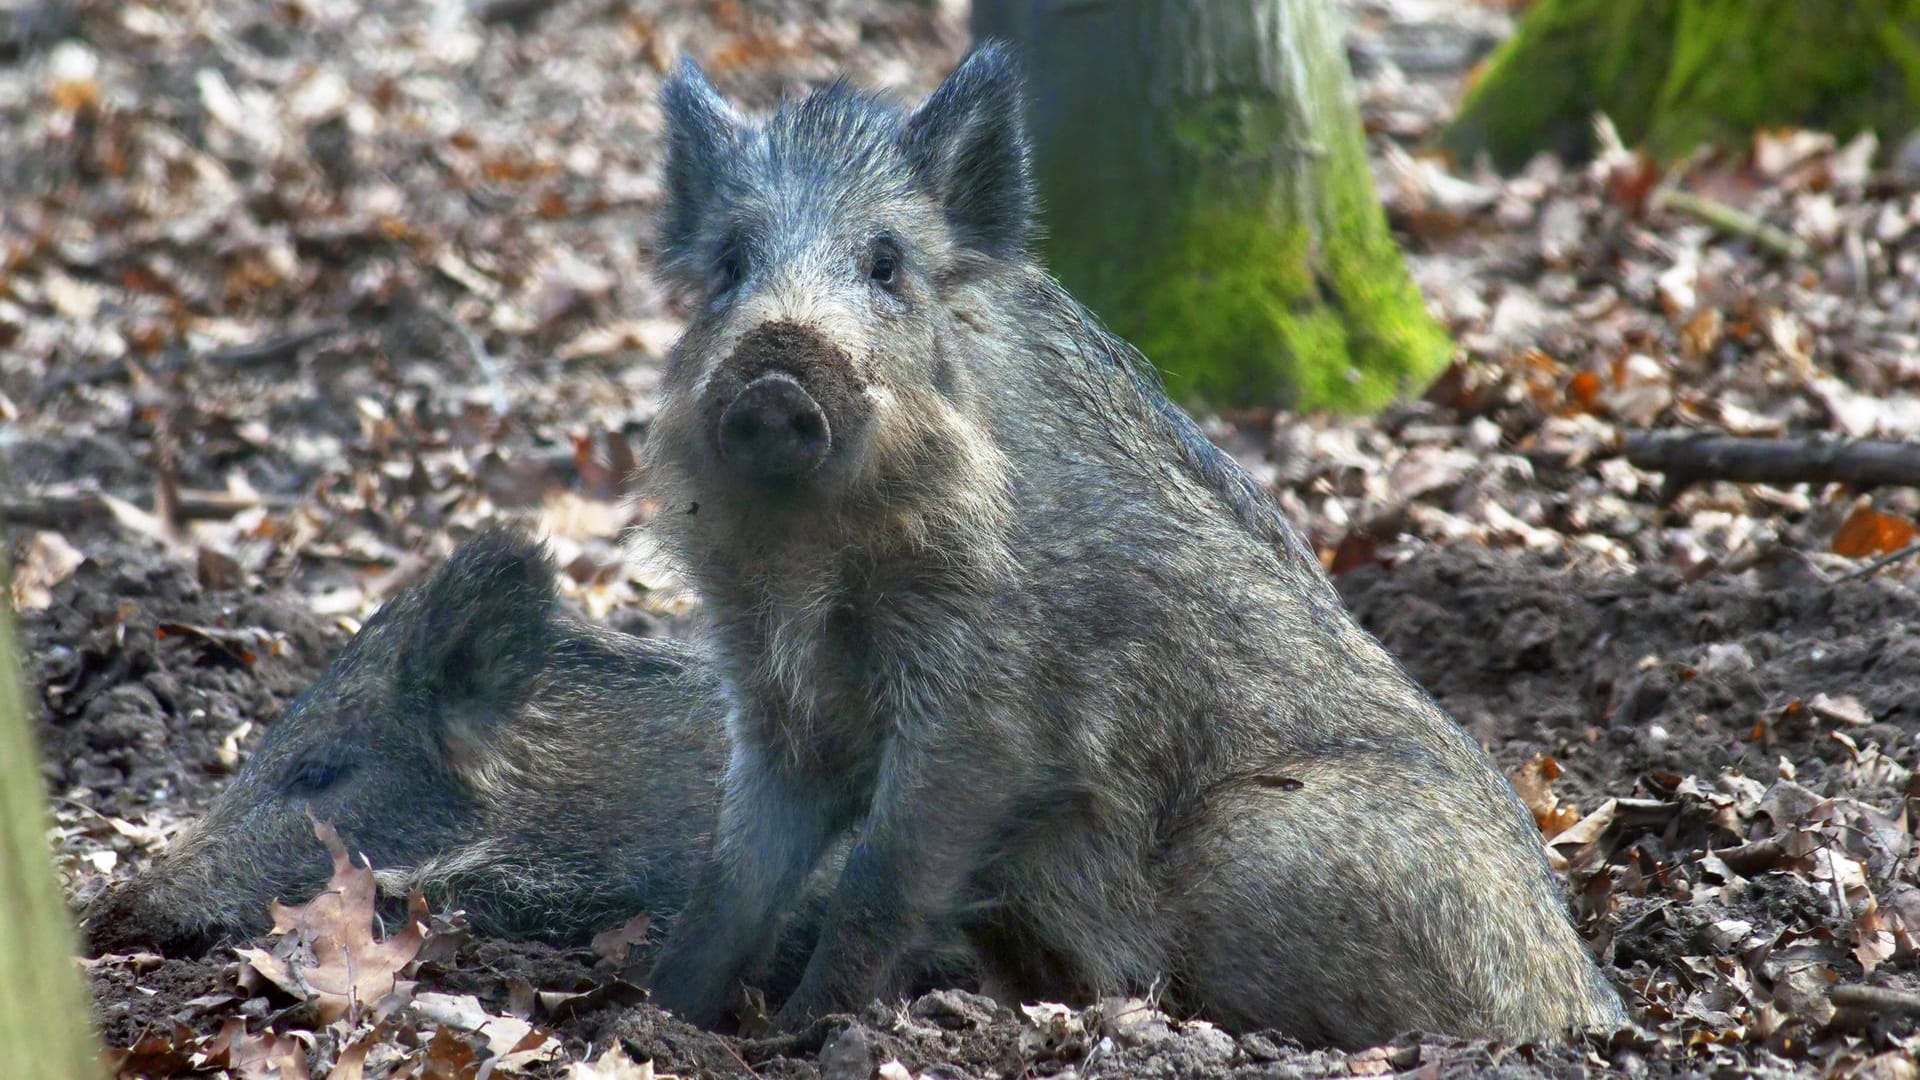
{"x": 1623, "y": 676}
{"x": 143, "y": 674}
{"x": 1630, "y": 681}
{"x": 381, "y": 273}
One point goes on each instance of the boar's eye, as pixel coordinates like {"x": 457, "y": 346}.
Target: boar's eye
{"x": 315, "y": 777}
{"x": 730, "y": 266}
{"x": 883, "y": 263}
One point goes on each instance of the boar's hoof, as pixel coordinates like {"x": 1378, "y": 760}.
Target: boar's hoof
{"x": 774, "y": 430}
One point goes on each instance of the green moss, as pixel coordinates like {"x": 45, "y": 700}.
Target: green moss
{"x": 1568, "y": 60}
{"x": 1235, "y": 313}
{"x": 1742, "y": 65}
{"x": 1279, "y": 282}
{"x": 1677, "y": 74}
{"x": 1228, "y": 225}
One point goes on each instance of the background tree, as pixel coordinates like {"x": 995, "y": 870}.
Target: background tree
{"x": 1207, "y": 194}
{"x": 44, "y": 1031}
{"x": 1677, "y": 74}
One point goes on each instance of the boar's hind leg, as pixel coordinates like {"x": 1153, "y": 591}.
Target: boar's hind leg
{"x": 1346, "y": 914}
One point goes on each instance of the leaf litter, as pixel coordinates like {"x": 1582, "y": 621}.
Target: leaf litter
{"x": 306, "y": 294}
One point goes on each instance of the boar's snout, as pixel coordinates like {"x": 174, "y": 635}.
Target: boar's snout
{"x": 132, "y": 918}
{"x": 786, "y": 400}
{"x": 775, "y": 430}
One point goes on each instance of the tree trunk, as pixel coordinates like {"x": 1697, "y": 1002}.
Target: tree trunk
{"x": 1678, "y": 74}
{"x": 1208, "y": 195}
{"x": 44, "y": 1026}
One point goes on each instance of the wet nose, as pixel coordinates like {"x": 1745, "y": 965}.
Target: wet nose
{"x": 774, "y": 430}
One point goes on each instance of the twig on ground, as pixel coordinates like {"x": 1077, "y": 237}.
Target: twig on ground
{"x": 1687, "y": 458}
{"x": 510, "y": 12}
{"x": 483, "y": 361}
{"x": 1883, "y": 562}
{"x": 1729, "y": 219}
{"x": 54, "y": 508}
{"x": 1878, "y": 999}
{"x": 271, "y": 350}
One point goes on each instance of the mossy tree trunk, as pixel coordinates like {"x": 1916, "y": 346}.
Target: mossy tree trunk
{"x": 44, "y": 1027}
{"x": 1208, "y": 195}
{"x": 1674, "y": 75}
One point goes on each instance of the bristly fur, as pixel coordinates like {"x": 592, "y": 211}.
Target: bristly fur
{"x": 558, "y": 778}
{"x": 1052, "y": 660}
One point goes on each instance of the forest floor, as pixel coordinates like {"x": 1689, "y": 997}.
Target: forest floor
{"x": 294, "y": 296}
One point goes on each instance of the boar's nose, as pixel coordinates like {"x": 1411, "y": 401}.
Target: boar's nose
{"x": 774, "y": 430}
{"x": 127, "y": 919}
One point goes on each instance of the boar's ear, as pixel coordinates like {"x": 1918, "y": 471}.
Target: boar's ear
{"x": 969, "y": 144}
{"x": 482, "y": 632}
{"x": 703, "y": 132}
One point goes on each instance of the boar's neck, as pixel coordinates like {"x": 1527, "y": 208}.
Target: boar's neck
{"x": 1118, "y": 408}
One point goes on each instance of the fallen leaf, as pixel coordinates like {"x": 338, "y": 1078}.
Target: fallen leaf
{"x": 49, "y": 560}
{"x": 614, "y": 1064}
{"x": 245, "y": 644}
{"x": 1845, "y": 709}
{"x": 1868, "y": 532}
{"x": 1534, "y": 783}
{"x": 513, "y": 1043}
{"x": 1873, "y": 943}
{"x": 350, "y": 969}
{"x": 614, "y": 946}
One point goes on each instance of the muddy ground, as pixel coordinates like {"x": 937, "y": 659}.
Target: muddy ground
{"x": 295, "y": 297}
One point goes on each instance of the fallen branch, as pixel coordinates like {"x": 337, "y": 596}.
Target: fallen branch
{"x": 1877, "y": 999}
{"x": 1732, "y": 220}
{"x": 56, "y": 508}
{"x": 272, "y": 350}
{"x": 1688, "y": 458}
{"x": 515, "y": 13}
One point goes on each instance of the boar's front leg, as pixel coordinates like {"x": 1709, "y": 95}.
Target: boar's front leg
{"x": 771, "y": 833}
{"x": 937, "y": 806}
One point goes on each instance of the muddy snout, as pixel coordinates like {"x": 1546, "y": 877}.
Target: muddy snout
{"x": 774, "y": 430}
{"x": 780, "y": 402}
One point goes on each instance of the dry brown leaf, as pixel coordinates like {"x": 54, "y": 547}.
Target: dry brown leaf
{"x": 1868, "y": 532}
{"x": 614, "y": 1064}
{"x": 1873, "y": 942}
{"x": 615, "y": 945}
{"x": 350, "y": 969}
{"x": 49, "y": 560}
{"x": 267, "y": 1056}
{"x": 513, "y": 1043}
{"x": 1376, "y": 1061}
{"x": 1702, "y": 331}
{"x": 1534, "y": 782}
{"x": 1843, "y": 708}
{"x": 245, "y": 644}
{"x": 1583, "y": 391}
{"x": 1588, "y": 829}
{"x": 1892, "y": 1065}
{"x": 352, "y": 1062}
{"x": 261, "y": 1055}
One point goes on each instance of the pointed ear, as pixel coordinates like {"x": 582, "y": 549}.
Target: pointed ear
{"x": 480, "y": 634}
{"x": 968, "y": 142}
{"x": 703, "y": 133}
